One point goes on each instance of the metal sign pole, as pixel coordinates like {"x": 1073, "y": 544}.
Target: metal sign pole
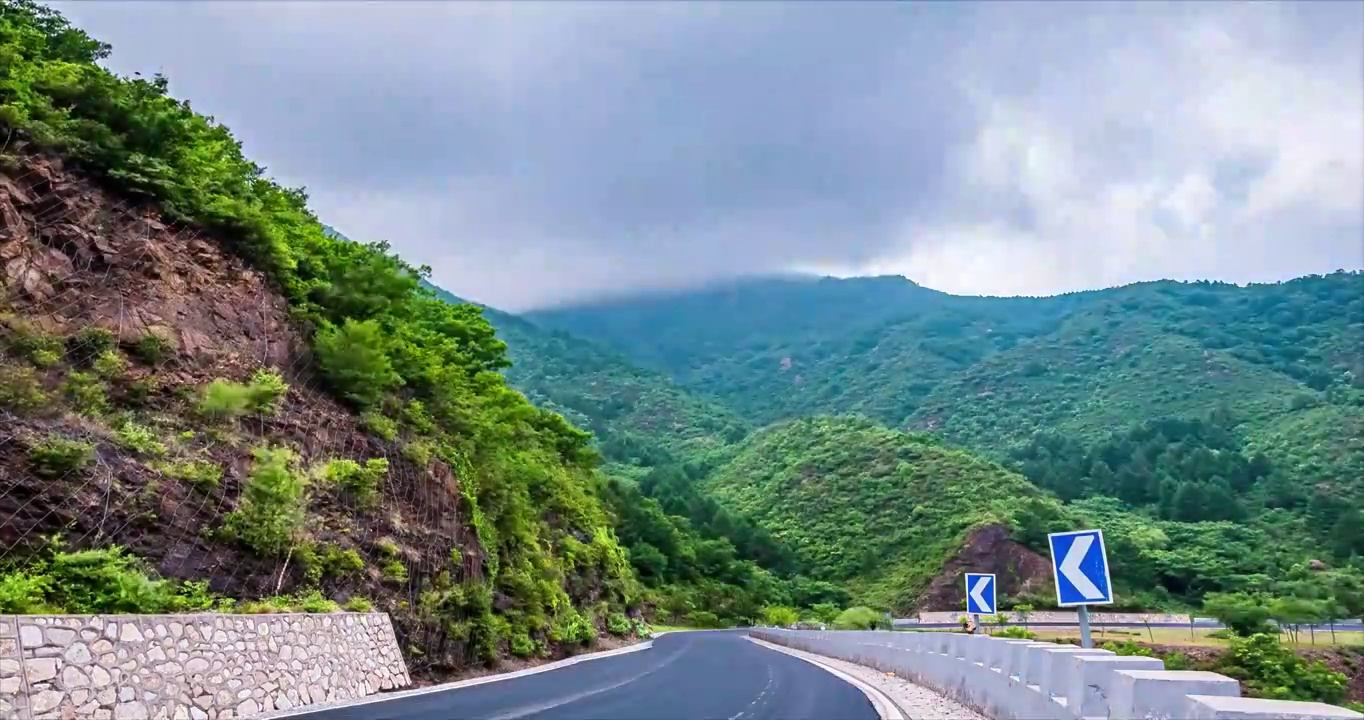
{"x": 1085, "y": 640}
{"x": 975, "y": 626}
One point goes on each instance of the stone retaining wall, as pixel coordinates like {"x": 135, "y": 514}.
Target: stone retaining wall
{"x": 1062, "y": 616}
{"x": 1017, "y": 679}
{"x": 191, "y": 667}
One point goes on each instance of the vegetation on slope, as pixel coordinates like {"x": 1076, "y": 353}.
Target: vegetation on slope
{"x": 640, "y": 418}
{"x": 989, "y": 372}
{"x": 424, "y": 371}
{"x": 1227, "y": 417}
{"x": 1166, "y": 349}
{"x": 703, "y": 564}
{"x": 866, "y": 505}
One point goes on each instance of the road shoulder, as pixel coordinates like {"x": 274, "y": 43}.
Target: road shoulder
{"x": 894, "y": 698}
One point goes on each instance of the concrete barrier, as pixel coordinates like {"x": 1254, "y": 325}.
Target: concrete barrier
{"x": 1027, "y": 680}
{"x": 1063, "y": 616}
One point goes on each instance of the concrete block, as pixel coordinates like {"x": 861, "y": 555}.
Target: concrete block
{"x": 955, "y": 645}
{"x": 1010, "y": 655}
{"x": 1212, "y": 707}
{"x": 1090, "y": 679}
{"x": 1021, "y": 656}
{"x": 1054, "y": 669}
{"x": 1162, "y": 694}
{"x": 979, "y": 648}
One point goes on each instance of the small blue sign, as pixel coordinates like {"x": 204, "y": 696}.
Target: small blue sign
{"x": 980, "y": 593}
{"x": 1079, "y": 563}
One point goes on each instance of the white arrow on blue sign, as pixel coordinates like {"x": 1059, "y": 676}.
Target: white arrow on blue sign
{"x": 1079, "y": 563}
{"x": 980, "y": 593}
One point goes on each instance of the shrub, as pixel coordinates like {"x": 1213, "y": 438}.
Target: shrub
{"x": 570, "y": 626}
{"x": 227, "y": 400}
{"x": 358, "y": 604}
{"x": 522, "y": 646}
{"x": 328, "y": 561}
{"x": 24, "y": 594}
{"x": 780, "y": 616}
{"x": 57, "y": 457}
{"x": 617, "y": 624}
{"x": 88, "y": 344}
{"x": 394, "y": 570}
{"x": 151, "y": 349}
{"x": 39, "y": 348}
{"x": 271, "y": 511}
{"x": 360, "y": 481}
{"x": 416, "y": 417}
{"x": 266, "y": 391}
{"x": 139, "y": 439}
{"x": 1271, "y": 670}
{"x": 354, "y": 359}
{"x": 109, "y": 364}
{"x": 857, "y": 618}
{"x": 419, "y": 452}
{"x": 201, "y": 474}
{"x": 224, "y": 400}
{"x": 86, "y": 393}
{"x": 20, "y": 391}
{"x": 380, "y": 425}
{"x": 100, "y": 581}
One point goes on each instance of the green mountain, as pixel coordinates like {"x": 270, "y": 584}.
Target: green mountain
{"x": 641, "y": 418}
{"x": 1200, "y": 423}
{"x": 989, "y": 372}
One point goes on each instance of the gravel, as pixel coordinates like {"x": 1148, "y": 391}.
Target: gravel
{"x": 917, "y": 702}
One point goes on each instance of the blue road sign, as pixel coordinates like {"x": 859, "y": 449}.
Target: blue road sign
{"x": 1079, "y": 563}
{"x": 980, "y": 593}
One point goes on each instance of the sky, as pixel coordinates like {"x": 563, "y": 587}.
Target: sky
{"x": 539, "y": 154}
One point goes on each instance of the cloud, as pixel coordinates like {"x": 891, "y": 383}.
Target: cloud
{"x": 537, "y": 153}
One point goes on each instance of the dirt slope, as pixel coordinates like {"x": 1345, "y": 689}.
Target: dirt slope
{"x": 72, "y": 257}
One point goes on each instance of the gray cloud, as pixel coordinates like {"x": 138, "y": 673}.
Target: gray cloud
{"x": 533, "y": 153}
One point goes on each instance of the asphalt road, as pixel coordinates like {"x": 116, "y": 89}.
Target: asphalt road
{"x": 684, "y": 676}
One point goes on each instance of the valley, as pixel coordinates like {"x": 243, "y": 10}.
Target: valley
{"x": 216, "y": 403}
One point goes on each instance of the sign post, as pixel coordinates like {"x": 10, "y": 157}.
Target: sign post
{"x": 980, "y": 596}
{"x": 1079, "y": 565}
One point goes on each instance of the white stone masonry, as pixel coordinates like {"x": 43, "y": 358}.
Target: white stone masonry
{"x": 183, "y": 667}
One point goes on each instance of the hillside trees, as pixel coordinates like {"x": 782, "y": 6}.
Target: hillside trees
{"x": 428, "y": 369}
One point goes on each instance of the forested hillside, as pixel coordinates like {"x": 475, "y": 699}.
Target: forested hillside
{"x": 213, "y": 403}
{"x": 988, "y": 373}
{"x": 221, "y": 403}
{"x": 1216, "y": 432}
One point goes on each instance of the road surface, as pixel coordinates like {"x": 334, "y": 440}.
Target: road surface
{"x": 684, "y": 676}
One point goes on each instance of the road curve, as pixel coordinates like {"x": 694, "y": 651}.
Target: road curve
{"x": 684, "y": 676}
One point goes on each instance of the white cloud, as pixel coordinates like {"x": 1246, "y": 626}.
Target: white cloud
{"x": 1116, "y": 165}
{"x": 538, "y": 152}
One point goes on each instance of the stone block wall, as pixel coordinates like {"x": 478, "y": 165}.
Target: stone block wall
{"x": 1024, "y": 679}
{"x": 183, "y": 667}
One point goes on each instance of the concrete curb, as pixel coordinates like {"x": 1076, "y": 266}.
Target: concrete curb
{"x": 885, "y": 707}
{"x": 443, "y": 687}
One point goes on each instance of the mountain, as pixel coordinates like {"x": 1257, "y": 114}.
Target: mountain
{"x": 877, "y": 509}
{"x": 641, "y": 419}
{"x": 1215, "y": 431}
{"x": 777, "y": 348}
{"x": 989, "y": 372}
{"x": 214, "y": 403}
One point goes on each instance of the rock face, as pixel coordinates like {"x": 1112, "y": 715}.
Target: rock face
{"x": 135, "y": 667}
{"x": 989, "y": 549}
{"x": 75, "y": 255}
